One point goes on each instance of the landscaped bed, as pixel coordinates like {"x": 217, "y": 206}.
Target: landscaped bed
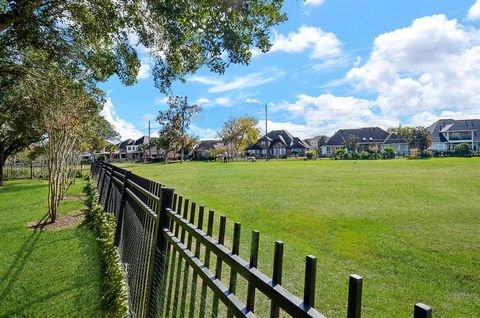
{"x": 49, "y": 272}
{"x": 411, "y": 228}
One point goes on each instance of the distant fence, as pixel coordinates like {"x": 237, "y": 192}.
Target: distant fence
{"x": 176, "y": 268}
{"x": 30, "y": 170}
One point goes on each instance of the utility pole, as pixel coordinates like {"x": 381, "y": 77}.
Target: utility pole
{"x": 266, "y": 129}
{"x": 149, "y": 142}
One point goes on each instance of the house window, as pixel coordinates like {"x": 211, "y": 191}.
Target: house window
{"x": 128, "y": 148}
{"x": 460, "y": 135}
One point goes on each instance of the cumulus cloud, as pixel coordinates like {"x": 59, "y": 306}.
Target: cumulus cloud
{"x": 322, "y": 44}
{"x": 203, "y": 133}
{"x": 314, "y": 2}
{"x": 474, "y": 11}
{"x": 223, "y": 101}
{"x": 432, "y": 65}
{"x": 124, "y": 128}
{"x": 252, "y": 101}
{"x": 240, "y": 82}
{"x": 202, "y": 101}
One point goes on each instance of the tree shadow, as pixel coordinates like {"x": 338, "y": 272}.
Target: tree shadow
{"x": 10, "y": 187}
{"x": 16, "y": 268}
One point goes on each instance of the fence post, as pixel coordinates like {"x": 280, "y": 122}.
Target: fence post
{"x": 118, "y": 228}
{"x": 422, "y": 311}
{"x": 109, "y": 188}
{"x": 354, "y": 296}
{"x": 159, "y": 247}
{"x": 31, "y": 170}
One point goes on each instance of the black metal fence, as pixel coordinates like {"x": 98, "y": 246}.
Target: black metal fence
{"x": 177, "y": 268}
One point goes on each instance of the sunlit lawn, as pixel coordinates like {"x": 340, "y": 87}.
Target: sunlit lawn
{"x": 50, "y": 273}
{"x": 411, "y": 228}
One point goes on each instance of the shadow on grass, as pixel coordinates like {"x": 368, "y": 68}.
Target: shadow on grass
{"x": 16, "y": 268}
{"x": 16, "y": 186}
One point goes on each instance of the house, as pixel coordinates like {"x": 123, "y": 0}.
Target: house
{"x": 203, "y": 150}
{"x": 447, "y": 133}
{"x": 368, "y": 138}
{"x": 278, "y": 143}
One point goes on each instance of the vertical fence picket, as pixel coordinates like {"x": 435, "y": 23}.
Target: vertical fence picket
{"x": 422, "y": 311}
{"x": 218, "y": 267}
{"x": 203, "y": 299}
{"x": 277, "y": 275}
{"x": 235, "y": 251}
{"x": 310, "y": 281}
{"x": 186, "y": 272}
{"x": 121, "y": 210}
{"x": 109, "y": 190}
{"x": 253, "y": 263}
{"x": 355, "y": 283}
{"x": 197, "y": 255}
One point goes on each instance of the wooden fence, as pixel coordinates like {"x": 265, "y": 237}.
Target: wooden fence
{"x": 177, "y": 268}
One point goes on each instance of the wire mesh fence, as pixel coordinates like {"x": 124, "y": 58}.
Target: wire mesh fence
{"x": 179, "y": 262}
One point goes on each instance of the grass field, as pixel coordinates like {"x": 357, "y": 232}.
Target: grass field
{"x": 50, "y": 273}
{"x": 411, "y": 228}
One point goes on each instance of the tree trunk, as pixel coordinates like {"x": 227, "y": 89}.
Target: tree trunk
{"x": 181, "y": 154}
{"x": 165, "y": 157}
{"x": 2, "y": 163}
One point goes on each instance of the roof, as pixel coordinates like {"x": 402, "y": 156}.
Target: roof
{"x": 142, "y": 140}
{"x": 442, "y": 126}
{"x": 281, "y": 136}
{"x": 207, "y": 145}
{"x": 365, "y": 135}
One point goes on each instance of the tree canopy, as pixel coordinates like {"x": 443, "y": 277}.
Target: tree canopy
{"x": 238, "y": 133}
{"x": 97, "y": 38}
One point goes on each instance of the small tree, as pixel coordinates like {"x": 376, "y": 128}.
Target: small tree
{"x": 167, "y": 139}
{"x": 388, "y": 153}
{"x": 238, "y": 133}
{"x": 179, "y": 116}
{"x": 421, "y": 139}
{"x": 351, "y": 143}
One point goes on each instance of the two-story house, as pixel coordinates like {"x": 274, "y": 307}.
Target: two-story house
{"x": 447, "y": 133}
{"x": 278, "y": 143}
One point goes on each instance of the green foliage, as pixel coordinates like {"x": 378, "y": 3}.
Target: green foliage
{"x": 421, "y": 139}
{"x": 351, "y": 143}
{"x": 342, "y": 154}
{"x": 462, "y": 150}
{"x": 388, "y": 153}
{"x": 114, "y": 290}
{"x": 364, "y": 155}
{"x": 311, "y": 154}
{"x": 237, "y": 133}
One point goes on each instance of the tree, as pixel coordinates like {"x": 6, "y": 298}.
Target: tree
{"x": 404, "y": 132}
{"x": 421, "y": 138}
{"x": 322, "y": 140}
{"x": 167, "y": 139}
{"x": 97, "y": 38}
{"x": 238, "y": 133}
{"x": 351, "y": 143}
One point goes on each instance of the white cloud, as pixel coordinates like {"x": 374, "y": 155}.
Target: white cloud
{"x": 223, "y": 101}
{"x": 124, "y": 128}
{"x": 314, "y": 2}
{"x": 241, "y": 82}
{"x": 144, "y": 71}
{"x": 333, "y": 63}
{"x": 322, "y": 44}
{"x": 203, "y": 133}
{"x": 252, "y": 101}
{"x": 161, "y": 100}
{"x": 148, "y": 117}
{"x": 203, "y": 101}
{"x": 474, "y": 11}
{"x": 431, "y": 66}
{"x": 297, "y": 130}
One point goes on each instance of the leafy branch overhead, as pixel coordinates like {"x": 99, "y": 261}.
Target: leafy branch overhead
{"x": 96, "y": 39}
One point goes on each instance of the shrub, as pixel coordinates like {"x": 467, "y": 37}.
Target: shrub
{"x": 425, "y": 155}
{"x": 365, "y": 155}
{"x": 388, "y": 153}
{"x": 114, "y": 290}
{"x": 462, "y": 150}
{"x": 342, "y": 154}
{"x": 312, "y": 154}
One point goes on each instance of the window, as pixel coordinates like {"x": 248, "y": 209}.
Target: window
{"x": 460, "y": 135}
{"x": 128, "y": 148}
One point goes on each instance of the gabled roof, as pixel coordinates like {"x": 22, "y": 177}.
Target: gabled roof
{"x": 125, "y": 143}
{"x": 394, "y": 139}
{"x": 363, "y": 135}
{"x": 208, "y": 145}
{"x": 281, "y": 136}
{"x": 142, "y": 140}
{"x": 442, "y": 126}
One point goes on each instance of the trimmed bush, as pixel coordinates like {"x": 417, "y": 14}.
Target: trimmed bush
{"x": 114, "y": 289}
{"x": 312, "y": 154}
{"x": 462, "y": 150}
{"x": 388, "y": 153}
{"x": 365, "y": 155}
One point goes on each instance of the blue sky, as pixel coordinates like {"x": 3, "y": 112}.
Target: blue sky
{"x": 334, "y": 64}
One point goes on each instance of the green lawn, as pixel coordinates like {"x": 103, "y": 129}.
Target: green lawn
{"x": 50, "y": 273}
{"x": 411, "y": 228}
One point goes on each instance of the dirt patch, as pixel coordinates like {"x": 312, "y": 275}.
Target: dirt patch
{"x": 64, "y": 221}
{"x": 73, "y": 197}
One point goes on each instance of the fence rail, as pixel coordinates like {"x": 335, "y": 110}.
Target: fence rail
{"x": 29, "y": 170}
{"x": 177, "y": 268}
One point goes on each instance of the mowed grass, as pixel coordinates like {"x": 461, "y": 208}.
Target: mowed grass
{"x": 411, "y": 228}
{"x": 50, "y": 273}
